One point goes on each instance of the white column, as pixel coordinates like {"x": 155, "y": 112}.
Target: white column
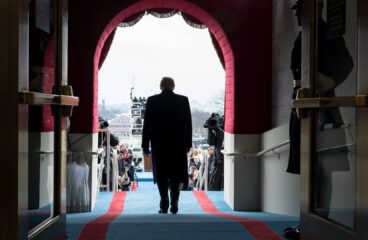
{"x": 241, "y": 175}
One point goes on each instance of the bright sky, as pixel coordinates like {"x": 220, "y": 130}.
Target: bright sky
{"x": 142, "y": 54}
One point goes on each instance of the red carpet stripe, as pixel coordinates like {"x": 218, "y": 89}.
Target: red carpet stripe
{"x": 258, "y": 229}
{"x": 97, "y": 228}
{"x": 134, "y": 186}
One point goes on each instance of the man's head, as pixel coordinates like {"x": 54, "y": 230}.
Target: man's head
{"x": 298, "y": 4}
{"x": 298, "y": 7}
{"x": 167, "y": 83}
{"x": 210, "y": 150}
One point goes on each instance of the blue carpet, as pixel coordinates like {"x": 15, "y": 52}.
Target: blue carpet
{"x": 144, "y": 176}
{"x": 76, "y": 221}
{"x": 37, "y": 216}
{"x": 143, "y": 186}
{"x": 140, "y": 220}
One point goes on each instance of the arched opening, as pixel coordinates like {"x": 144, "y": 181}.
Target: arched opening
{"x": 230, "y": 23}
{"x": 187, "y": 8}
{"x": 141, "y": 54}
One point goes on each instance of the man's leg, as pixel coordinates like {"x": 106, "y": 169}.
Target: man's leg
{"x": 174, "y": 195}
{"x": 163, "y": 187}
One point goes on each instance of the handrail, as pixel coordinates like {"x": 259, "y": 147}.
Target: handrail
{"x": 42, "y": 152}
{"x": 273, "y": 148}
{"x": 338, "y": 147}
{"x": 247, "y": 155}
{"x": 92, "y": 153}
{"x": 52, "y": 152}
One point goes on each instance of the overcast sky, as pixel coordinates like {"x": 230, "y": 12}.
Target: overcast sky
{"x": 141, "y": 55}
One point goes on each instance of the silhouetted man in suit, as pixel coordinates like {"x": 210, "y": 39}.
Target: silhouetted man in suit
{"x": 168, "y": 127}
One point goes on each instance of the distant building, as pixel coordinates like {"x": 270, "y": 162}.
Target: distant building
{"x": 121, "y": 126}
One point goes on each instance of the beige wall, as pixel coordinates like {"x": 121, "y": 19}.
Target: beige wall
{"x": 280, "y": 190}
{"x": 284, "y": 32}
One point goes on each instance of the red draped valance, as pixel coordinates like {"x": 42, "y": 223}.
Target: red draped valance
{"x": 132, "y": 20}
{"x": 192, "y": 21}
{"x": 160, "y": 13}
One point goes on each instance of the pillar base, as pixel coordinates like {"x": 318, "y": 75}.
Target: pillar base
{"x": 241, "y": 175}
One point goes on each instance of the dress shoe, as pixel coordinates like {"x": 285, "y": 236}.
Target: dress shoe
{"x": 164, "y": 206}
{"x": 291, "y": 228}
{"x": 174, "y": 209}
{"x": 174, "y": 206}
{"x": 162, "y": 211}
{"x": 292, "y": 234}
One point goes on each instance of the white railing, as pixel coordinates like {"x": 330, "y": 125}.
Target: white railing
{"x": 109, "y": 162}
{"x": 250, "y": 155}
{"x": 202, "y": 181}
{"x": 107, "y": 155}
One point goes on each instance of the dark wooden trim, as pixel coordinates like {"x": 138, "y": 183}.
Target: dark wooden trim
{"x": 38, "y": 98}
{"x": 362, "y": 130}
{"x": 344, "y": 101}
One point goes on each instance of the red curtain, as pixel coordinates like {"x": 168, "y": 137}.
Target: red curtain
{"x": 218, "y": 50}
{"x": 106, "y": 48}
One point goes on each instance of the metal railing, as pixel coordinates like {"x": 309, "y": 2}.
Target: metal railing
{"x": 343, "y": 147}
{"x": 252, "y": 155}
{"x": 287, "y": 142}
{"x": 202, "y": 181}
{"x": 108, "y": 159}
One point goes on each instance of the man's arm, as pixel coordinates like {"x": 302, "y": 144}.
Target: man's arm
{"x": 146, "y": 133}
{"x": 188, "y": 125}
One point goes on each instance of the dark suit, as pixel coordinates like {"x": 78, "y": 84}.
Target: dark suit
{"x": 168, "y": 126}
{"x": 294, "y": 126}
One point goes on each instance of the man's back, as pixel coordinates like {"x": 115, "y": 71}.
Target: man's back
{"x": 168, "y": 121}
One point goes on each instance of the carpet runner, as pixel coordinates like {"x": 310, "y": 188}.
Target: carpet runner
{"x": 202, "y": 215}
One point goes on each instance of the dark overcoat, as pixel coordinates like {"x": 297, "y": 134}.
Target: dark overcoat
{"x": 168, "y": 128}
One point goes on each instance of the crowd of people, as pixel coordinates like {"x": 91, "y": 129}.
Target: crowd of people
{"x": 200, "y": 165}
{"x": 122, "y": 167}
{"x": 125, "y": 167}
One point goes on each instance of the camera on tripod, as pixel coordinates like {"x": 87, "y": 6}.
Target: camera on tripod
{"x": 214, "y": 121}
{"x": 102, "y": 123}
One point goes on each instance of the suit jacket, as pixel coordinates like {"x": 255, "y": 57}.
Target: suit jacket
{"x": 168, "y": 127}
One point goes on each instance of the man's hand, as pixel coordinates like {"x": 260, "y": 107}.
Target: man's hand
{"x": 297, "y": 83}
{"x": 324, "y": 83}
